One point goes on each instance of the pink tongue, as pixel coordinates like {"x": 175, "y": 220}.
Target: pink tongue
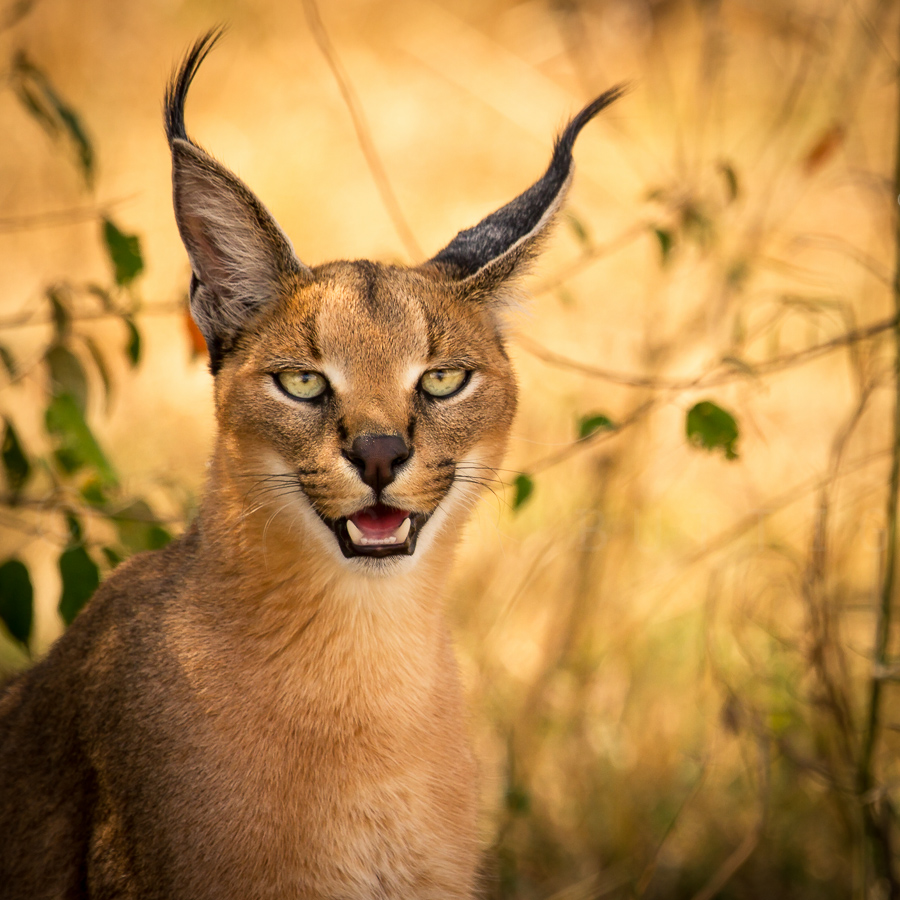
{"x": 378, "y": 522}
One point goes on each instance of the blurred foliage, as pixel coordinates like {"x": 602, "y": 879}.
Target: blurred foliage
{"x": 711, "y": 427}
{"x": 43, "y": 102}
{"x": 594, "y": 422}
{"x": 69, "y": 473}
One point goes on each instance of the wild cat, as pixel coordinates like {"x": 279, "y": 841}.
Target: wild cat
{"x": 270, "y": 706}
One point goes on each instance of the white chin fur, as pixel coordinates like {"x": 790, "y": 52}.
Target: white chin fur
{"x": 310, "y": 526}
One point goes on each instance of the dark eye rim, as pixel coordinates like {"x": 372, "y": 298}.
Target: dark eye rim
{"x": 326, "y": 392}
{"x": 467, "y": 377}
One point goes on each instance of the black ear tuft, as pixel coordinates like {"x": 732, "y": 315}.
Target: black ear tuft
{"x": 241, "y": 259}
{"x": 495, "y": 248}
{"x": 179, "y": 84}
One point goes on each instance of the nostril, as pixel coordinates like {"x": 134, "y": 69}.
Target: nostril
{"x": 377, "y": 457}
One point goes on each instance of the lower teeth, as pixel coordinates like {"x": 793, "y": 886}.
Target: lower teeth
{"x": 398, "y": 537}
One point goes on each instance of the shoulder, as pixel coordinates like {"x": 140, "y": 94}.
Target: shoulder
{"x": 118, "y": 622}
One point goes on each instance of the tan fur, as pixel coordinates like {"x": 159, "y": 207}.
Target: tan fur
{"x": 266, "y": 717}
{"x": 251, "y": 712}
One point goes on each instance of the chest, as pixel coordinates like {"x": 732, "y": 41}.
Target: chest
{"x": 291, "y": 797}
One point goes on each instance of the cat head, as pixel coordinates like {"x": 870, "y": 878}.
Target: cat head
{"x": 376, "y": 398}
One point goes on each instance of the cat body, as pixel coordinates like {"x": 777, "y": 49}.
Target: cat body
{"x": 270, "y": 706}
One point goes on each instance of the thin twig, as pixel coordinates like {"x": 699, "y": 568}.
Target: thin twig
{"x": 744, "y": 850}
{"x": 650, "y": 869}
{"x": 38, "y": 316}
{"x": 595, "y": 437}
{"x": 60, "y": 499}
{"x": 59, "y": 217}
{"x": 592, "y": 255}
{"x": 363, "y": 132}
{"x": 774, "y": 505}
{"x": 713, "y": 378}
{"x": 844, "y": 247}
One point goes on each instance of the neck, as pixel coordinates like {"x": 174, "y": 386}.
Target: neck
{"x": 282, "y": 588}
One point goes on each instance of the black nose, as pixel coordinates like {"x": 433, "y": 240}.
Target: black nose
{"x": 377, "y": 457}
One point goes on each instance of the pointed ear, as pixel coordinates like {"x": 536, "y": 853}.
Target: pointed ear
{"x": 500, "y": 246}
{"x": 241, "y": 259}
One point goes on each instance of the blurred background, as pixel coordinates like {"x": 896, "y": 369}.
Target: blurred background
{"x": 673, "y": 609}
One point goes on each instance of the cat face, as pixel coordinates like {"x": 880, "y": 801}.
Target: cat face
{"x": 373, "y": 398}
{"x": 359, "y": 354}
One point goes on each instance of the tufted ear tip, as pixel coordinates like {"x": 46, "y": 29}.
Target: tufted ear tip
{"x": 500, "y": 245}
{"x": 240, "y": 258}
{"x": 180, "y": 83}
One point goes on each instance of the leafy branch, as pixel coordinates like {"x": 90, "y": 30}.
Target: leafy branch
{"x": 68, "y": 473}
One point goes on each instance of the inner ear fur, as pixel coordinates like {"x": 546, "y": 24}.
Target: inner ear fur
{"x": 241, "y": 259}
{"x": 482, "y": 258}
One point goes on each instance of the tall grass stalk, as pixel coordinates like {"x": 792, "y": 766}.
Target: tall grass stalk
{"x": 876, "y": 809}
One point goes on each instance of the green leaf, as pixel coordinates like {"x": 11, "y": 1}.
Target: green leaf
{"x": 40, "y": 98}
{"x": 113, "y": 557}
{"x": 67, "y": 374}
{"x": 93, "y": 494}
{"x": 524, "y": 488}
{"x": 76, "y": 532}
{"x": 16, "y": 600}
{"x": 37, "y": 109}
{"x": 102, "y": 295}
{"x": 731, "y": 180}
{"x": 518, "y": 800}
{"x": 578, "y": 229}
{"x": 76, "y": 445}
{"x": 9, "y": 362}
{"x": 133, "y": 348}
{"x": 100, "y": 363}
{"x": 79, "y": 138}
{"x": 59, "y": 308}
{"x": 666, "y": 243}
{"x": 587, "y": 425}
{"x": 138, "y": 528}
{"x": 124, "y": 252}
{"x": 15, "y": 462}
{"x": 710, "y": 427}
{"x": 80, "y": 578}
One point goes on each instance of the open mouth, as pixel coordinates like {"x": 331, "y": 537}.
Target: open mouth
{"x": 378, "y": 530}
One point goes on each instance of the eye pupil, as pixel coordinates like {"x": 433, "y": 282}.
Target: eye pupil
{"x": 302, "y": 385}
{"x": 443, "y": 382}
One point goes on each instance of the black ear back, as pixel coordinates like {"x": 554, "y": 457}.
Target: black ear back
{"x": 500, "y": 244}
{"x": 241, "y": 259}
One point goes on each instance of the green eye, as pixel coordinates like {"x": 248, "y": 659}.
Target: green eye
{"x": 444, "y": 382}
{"x": 303, "y": 385}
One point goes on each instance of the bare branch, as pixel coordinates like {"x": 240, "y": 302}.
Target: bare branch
{"x": 734, "y": 368}
{"x": 878, "y": 831}
{"x": 743, "y": 851}
{"x": 363, "y": 132}
{"x": 592, "y": 255}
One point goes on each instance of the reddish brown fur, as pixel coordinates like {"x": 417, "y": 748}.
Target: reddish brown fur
{"x": 249, "y": 713}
